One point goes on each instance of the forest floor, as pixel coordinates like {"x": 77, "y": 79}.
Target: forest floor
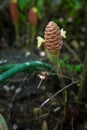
{"x": 22, "y": 95}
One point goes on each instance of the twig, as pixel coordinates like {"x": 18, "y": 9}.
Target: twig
{"x": 72, "y": 52}
{"x": 58, "y": 92}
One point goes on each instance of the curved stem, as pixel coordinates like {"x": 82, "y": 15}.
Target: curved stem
{"x": 24, "y": 67}
{"x": 6, "y": 67}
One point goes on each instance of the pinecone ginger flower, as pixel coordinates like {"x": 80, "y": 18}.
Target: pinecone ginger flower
{"x": 53, "y": 37}
{"x": 32, "y": 16}
{"x": 14, "y": 10}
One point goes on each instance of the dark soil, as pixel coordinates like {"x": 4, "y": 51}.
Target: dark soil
{"x": 20, "y": 99}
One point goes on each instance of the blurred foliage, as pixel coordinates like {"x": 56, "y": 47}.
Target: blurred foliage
{"x": 68, "y": 14}
{"x": 65, "y": 64}
{"x": 63, "y": 12}
{"x": 22, "y": 3}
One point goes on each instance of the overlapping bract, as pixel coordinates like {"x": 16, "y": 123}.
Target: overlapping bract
{"x": 53, "y": 38}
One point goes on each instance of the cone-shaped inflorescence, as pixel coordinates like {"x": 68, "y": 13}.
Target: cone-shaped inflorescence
{"x": 32, "y": 17}
{"x": 53, "y": 38}
{"x": 14, "y": 11}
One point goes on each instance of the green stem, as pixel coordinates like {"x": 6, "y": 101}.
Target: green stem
{"x": 58, "y": 69}
{"x": 84, "y": 71}
{"x": 32, "y": 33}
{"x": 16, "y": 25}
{"x": 9, "y": 66}
{"x": 83, "y": 80}
{"x": 48, "y": 55}
{"x": 24, "y": 67}
{"x": 6, "y": 67}
{"x": 62, "y": 83}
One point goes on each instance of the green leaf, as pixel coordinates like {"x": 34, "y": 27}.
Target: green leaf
{"x": 62, "y": 63}
{"x": 3, "y": 123}
{"x": 56, "y": 20}
{"x": 86, "y": 106}
{"x": 69, "y": 67}
{"x": 40, "y": 4}
{"x": 78, "y": 68}
{"x": 22, "y": 3}
{"x": 82, "y": 43}
{"x": 55, "y": 58}
{"x": 22, "y": 16}
{"x": 66, "y": 57}
{"x": 85, "y": 127}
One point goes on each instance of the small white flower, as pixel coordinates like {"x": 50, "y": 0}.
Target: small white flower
{"x": 63, "y": 33}
{"x": 40, "y": 40}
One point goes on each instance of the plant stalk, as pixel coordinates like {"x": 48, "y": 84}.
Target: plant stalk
{"x": 58, "y": 69}
{"x": 83, "y": 80}
{"x": 16, "y": 25}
